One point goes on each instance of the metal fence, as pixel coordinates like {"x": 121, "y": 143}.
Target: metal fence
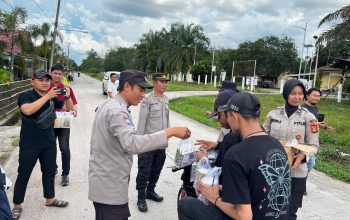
{"x": 8, "y": 96}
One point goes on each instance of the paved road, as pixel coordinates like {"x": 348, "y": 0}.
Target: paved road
{"x": 327, "y": 199}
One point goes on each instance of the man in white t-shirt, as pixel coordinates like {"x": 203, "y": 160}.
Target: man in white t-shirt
{"x": 112, "y": 87}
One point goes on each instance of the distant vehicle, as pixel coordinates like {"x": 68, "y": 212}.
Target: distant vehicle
{"x": 105, "y": 80}
{"x": 267, "y": 84}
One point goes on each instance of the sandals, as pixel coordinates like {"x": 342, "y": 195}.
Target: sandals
{"x": 58, "y": 203}
{"x": 16, "y": 213}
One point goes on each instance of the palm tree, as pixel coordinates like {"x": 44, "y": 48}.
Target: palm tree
{"x": 337, "y": 32}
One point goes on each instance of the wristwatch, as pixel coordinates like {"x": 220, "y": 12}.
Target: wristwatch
{"x": 67, "y": 97}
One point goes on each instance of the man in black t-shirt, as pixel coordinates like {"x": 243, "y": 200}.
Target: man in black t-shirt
{"x": 37, "y": 140}
{"x": 256, "y": 175}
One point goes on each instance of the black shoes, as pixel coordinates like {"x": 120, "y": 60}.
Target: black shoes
{"x": 141, "y": 201}
{"x": 65, "y": 180}
{"x": 153, "y": 196}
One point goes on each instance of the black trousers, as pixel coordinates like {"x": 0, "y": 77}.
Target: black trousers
{"x": 190, "y": 208}
{"x": 150, "y": 165}
{"x": 111, "y": 212}
{"x": 27, "y": 160}
{"x": 298, "y": 189}
{"x": 62, "y": 134}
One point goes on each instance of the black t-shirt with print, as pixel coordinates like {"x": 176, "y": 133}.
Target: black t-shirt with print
{"x": 31, "y": 136}
{"x": 256, "y": 172}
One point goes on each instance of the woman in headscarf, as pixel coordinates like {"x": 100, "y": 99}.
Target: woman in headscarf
{"x": 293, "y": 122}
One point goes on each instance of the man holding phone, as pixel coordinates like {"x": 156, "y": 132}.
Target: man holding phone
{"x": 62, "y": 134}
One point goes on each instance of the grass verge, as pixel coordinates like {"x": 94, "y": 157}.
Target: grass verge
{"x": 329, "y": 160}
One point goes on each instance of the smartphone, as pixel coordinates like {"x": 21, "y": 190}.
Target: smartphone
{"x": 62, "y": 91}
{"x": 321, "y": 117}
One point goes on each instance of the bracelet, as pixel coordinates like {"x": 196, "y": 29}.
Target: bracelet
{"x": 216, "y": 200}
{"x": 67, "y": 97}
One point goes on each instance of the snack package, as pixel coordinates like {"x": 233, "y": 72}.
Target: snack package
{"x": 185, "y": 153}
{"x": 63, "y": 120}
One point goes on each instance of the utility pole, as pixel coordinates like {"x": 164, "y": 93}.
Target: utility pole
{"x": 212, "y": 67}
{"x": 302, "y": 50}
{"x": 55, "y": 33}
{"x": 316, "y": 62}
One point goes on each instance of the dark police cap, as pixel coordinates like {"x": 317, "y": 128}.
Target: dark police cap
{"x": 244, "y": 103}
{"x": 39, "y": 74}
{"x": 221, "y": 99}
{"x": 228, "y": 85}
{"x": 159, "y": 76}
{"x": 134, "y": 76}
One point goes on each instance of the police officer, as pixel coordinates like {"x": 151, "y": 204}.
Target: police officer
{"x": 114, "y": 140}
{"x": 293, "y": 122}
{"x": 153, "y": 116}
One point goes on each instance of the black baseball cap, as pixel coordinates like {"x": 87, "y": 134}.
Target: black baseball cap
{"x": 40, "y": 74}
{"x": 244, "y": 103}
{"x": 159, "y": 76}
{"x": 221, "y": 99}
{"x": 228, "y": 85}
{"x": 134, "y": 76}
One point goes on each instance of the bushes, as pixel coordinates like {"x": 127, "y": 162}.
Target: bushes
{"x": 5, "y": 76}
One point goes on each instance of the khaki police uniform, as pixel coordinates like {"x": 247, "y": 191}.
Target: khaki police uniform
{"x": 300, "y": 126}
{"x": 114, "y": 140}
{"x": 153, "y": 117}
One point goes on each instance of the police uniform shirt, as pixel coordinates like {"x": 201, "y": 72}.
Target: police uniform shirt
{"x": 153, "y": 114}
{"x": 301, "y": 125}
{"x": 113, "y": 142}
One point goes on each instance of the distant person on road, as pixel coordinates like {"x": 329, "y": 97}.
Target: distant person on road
{"x": 114, "y": 140}
{"x": 153, "y": 117}
{"x": 37, "y": 138}
{"x": 63, "y": 134}
{"x": 112, "y": 86}
{"x": 256, "y": 182}
{"x": 293, "y": 122}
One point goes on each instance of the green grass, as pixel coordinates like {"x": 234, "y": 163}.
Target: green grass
{"x": 183, "y": 86}
{"x": 337, "y": 116}
{"x": 98, "y": 76}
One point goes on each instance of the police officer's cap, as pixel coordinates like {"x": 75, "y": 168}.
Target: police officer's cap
{"x": 244, "y": 103}
{"x": 134, "y": 76}
{"x": 159, "y": 76}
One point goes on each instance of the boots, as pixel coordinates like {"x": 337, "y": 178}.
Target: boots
{"x": 150, "y": 194}
{"x": 141, "y": 201}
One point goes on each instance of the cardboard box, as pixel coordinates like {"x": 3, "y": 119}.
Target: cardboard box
{"x": 292, "y": 148}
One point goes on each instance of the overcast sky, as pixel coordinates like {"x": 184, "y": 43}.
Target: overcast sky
{"x": 114, "y": 23}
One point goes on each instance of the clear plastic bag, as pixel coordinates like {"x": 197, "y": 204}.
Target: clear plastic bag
{"x": 185, "y": 153}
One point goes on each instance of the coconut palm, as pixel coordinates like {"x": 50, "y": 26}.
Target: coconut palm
{"x": 338, "y": 31}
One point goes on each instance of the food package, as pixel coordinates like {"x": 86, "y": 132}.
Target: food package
{"x": 292, "y": 147}
{"x": 185, "y": 153}
{"x": 63, "y": 119}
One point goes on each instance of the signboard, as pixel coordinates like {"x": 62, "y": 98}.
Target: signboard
{"x": 249, "y": 80}
{"x": 223, "y": 76}
{"x": 213, "y": 68}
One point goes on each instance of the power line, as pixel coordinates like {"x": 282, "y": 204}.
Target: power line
{"x": 8, "y": 4}
{"x": 42, "y": 10}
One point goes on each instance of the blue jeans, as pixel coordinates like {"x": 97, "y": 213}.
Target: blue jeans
{"x": 311, "y": 163}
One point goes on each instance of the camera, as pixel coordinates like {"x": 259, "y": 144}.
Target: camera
{"x": 62, "y": 91}
{"x": 321, "y": 117}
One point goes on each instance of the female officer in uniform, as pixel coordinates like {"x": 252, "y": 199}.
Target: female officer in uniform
{"x": 289, "y": 122}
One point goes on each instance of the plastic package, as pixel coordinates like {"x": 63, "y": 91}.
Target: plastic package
{"x": 185, "y": 153}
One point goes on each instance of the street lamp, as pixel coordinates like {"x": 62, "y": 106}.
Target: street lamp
{"x": 318, "y": 50}
{"x": 302, "y": 50}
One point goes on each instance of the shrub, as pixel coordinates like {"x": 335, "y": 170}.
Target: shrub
{"x": 5, "y": 76}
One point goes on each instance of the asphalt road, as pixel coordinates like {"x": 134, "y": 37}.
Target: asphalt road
{"x": 326, "y": 199}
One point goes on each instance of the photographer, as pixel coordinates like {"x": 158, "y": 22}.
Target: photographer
{"x": 63, "y": 134}
{"x": 37, "y": 140}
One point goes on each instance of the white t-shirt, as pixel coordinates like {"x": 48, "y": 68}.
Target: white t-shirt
{"x": 112, "y": 87}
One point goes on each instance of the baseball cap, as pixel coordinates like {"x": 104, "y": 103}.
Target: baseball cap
{"x": 221, "y": 99}
{"x": 134, "y": 76}
{"x": 228, "y": 85}
{"x": 40, "y": 74}
{"x": 159, "y": 76}
{"x": 244, "y": 103}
